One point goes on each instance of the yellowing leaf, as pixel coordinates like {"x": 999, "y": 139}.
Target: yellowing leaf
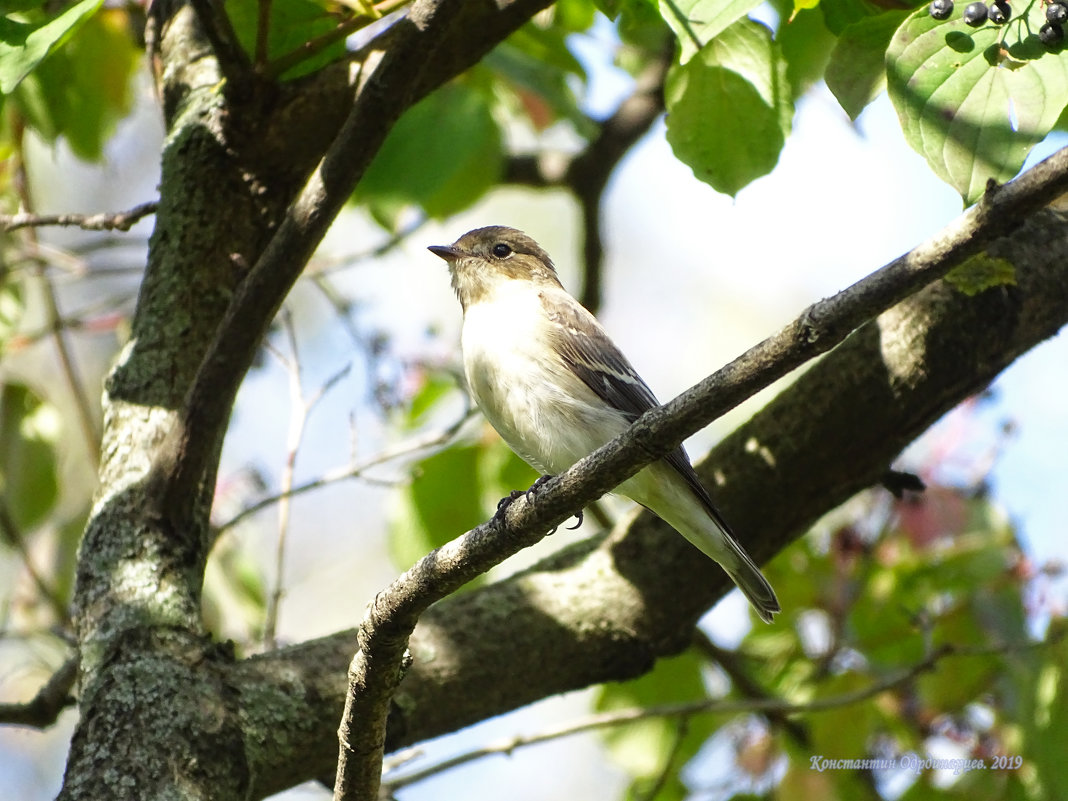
{"x": 982, "y": 272}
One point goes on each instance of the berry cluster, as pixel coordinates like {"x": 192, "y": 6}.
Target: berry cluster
{"x": 975, "y": 14}
{"x": 1052, "y": 33}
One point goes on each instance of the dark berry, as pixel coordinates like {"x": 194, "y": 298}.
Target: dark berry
{"x": 975, "y": 14}
{"x": 941, "y": 9}
{"x": 1056, "y": 13}
{"x": 1051, "y": 35}
{"x": 1000, "y": 12}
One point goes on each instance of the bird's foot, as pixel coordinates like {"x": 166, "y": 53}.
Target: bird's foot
{"x": 509, "y": 499}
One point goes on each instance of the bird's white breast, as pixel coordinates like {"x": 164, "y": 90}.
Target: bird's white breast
{"x": 541, "y": 409}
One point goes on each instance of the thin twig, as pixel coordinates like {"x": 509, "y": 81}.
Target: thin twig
{"x": 12, "y": 535}
{"x": 54, "y": 322}
{"x": 716, "y": 706}
{"x": 408, "y": 448}
{"x": 376, "y": 669}
{"x": 345, "y": 28}
{"x": 263, "y": 32}
{"x": 587, "y": 176}
{"x": 301, "y": 409}
{"x": 745, "y": 685}
{"x": 682, "y": 728}
{"x": 104, "y": 221}
{"x": 51, "y": 699}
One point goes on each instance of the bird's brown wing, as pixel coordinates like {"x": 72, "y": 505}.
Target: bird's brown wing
{"x": 590, "y": 354}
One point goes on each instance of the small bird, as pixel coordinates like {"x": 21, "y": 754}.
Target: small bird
{"x": 554, "y": 385}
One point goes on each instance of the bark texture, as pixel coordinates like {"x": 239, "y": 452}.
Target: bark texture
{"x": 165, "y": 712}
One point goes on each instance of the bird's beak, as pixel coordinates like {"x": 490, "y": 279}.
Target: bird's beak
{"x": 447, "y": 252}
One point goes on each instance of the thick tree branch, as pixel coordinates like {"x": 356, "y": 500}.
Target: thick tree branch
{"x": 383, "y": 638}
{"x": 233, "y": 61}
{"x": 606, "y": 612}
{"x": 435, "y": 33}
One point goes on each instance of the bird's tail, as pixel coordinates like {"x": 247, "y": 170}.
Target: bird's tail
{"x": 712, "y": 536}
{"x": 747, "y": 576}
{"x": 679, "y": 499}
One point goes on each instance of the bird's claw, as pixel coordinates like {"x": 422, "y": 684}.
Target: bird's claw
{"x": 507, "y": 500}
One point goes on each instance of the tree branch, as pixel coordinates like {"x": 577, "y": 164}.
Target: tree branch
{"x": 605, "y": 610}
{"x": 587, "y": 176}
{"x": 233, "y": 60}
{"x": 429, "y": 38}
{"x": 113, "y": 221}
{"x": 771, "y": 707}
{"x": 51, "y": 699}
{"x": 376, "y": 669}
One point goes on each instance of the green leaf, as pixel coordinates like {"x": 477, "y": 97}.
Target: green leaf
{"x": 642, "y": 748}
{"x": 729, "y": 109}
{"x": 973, "y": 102}
{"x": 11, "y": 309}
{"x": 697, "y": 22}
{"x": 840, "y": 14}
{"x": 25, "y": 45}
{"x": 451, "y": 492}
{"x": 29, "y": 430}
{"x": 436, "y": 385}
{"x": 982, "y": 272}
{"x": 856, "y": 73}
{"x": 442, "y": 502}
{"x": 83, "y": 90}
{"x": 806, "y": 45}
{"x": 442, "y": 155}
{"x": 537, "y": 66}
{"x": 1044, "y": 728}
{"x": 292, "y": 24}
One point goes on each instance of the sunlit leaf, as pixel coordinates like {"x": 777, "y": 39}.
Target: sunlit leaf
{"x": 29, "y": 430}
{"x": 24, "y": 45}
{"x": 729, "y": 109}
{"x": 981, "y": 272}
{"x": 697, "y": 22}
{"x": 641, "y": 748}
{"x": 82, "y": 91}
{"x": 974, "y": 101}
{"x": 442, "y": 155}
{"x": 856, "y": 73}
{"x": 292, "y": 24}
{"x": 804, "y": 5}
{"x": 806, "y": 46}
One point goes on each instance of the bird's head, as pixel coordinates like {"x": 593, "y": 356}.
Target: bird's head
{"x": 484, "y": 259}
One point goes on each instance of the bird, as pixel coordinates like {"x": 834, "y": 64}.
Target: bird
{"x": 549, "y": 379}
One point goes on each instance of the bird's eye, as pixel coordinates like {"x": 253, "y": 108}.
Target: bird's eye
{"x": 501, "y": 250}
